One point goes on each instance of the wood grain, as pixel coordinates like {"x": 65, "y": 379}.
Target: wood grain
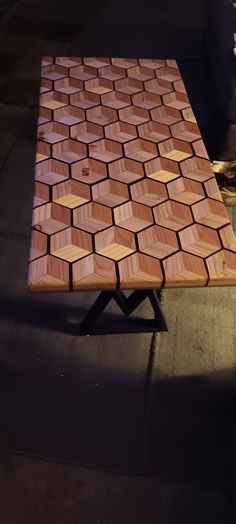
{"x": 93, "y": 217}
{"x": 210, "y": 213}
{"x": 115, "y": 243}
{"x": 140, "y": 271}
{"x": 89, "y": 170}
{"x": 41, "y": 194}
{"x": 110, "y": 193}
{"x": 69, "y": 115}
{"x": 71, "y": 244}
{"x": 71, "y": 194}
{"x": 124, "y": 192}
{"x": 141, "y": 150}
{"x": 173, "y": 215}
{"x": 149, "y": 192}
{"x": 157, "y": 242}
{"x": 69, "y": 151}
{"x": 186, "y": 191}
{"x": 87, "y": 132}
{"x": 175, "y": 149}
{"x": 99, "y": 86}
{"x": 126, "y": 170}
{"x": 51, "y": 171}
{"x": 133, "y": 216}
{"x": 162, "y": 169}
{"x": 94, "y": 272}
{"x": 105, "y": 150}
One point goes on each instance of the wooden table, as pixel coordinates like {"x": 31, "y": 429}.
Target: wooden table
{"x": 125, "y": 195}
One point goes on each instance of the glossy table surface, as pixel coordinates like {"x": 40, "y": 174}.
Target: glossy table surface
{"x": 124, "y": 195}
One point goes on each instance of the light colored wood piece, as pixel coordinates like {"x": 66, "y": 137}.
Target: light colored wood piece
{"x": 197, "y": 169}
{"x": 162, "y": 169}
{"x": 102, "y": 115}
{"x": 94, "y": 273}
{"x": 186, "y": 191}
{"x": 173, "y": 215}
{"x": 148, "y": 192}
{"x": 228, "y": 238}
{"x": 98, "y": 85}
{"x": 105, "y": 150}
{"x": 158, "y": 86}
{"x": 222, "y": 268}
{"x": 146, "y": 100}
{"x": 121, "y": 132}
{"x": 38, "y": 246}
{"x": 179, "y": 86}
{"x": 158, "y": 242}
{"x": 48, "y": 274}
{"x": 185, "y": 131}
{"x": 51, "y": 171}
{"x": 69, "y": 115}
{"x": 110, "y": 193}
{"x": 176, "y": 100}
{"x": 199, "y": 240}
{"x": 184, "y": 270}
{"x": 89, "y": 171}
{"x": 140, "y": 271}
{"x": 71, "y": 244}
{"x": 126, "y": 170}
{"x": 53, "y": 132}
{"x": 51, "y": 218}
{"x": 53, "y": 100}
{"x": 166, "y": 115}
{"x": 83, "y": 72}
{"x": 115, "y": 243}
{"x": 133, "y": 216}
{"x": 189, "y": 115}
{"x": 46, "y": 85}
{"x": 68, "y": 61}
{"x": 112, "y": 72}
{"x": 116, "y": 100}
{"x": 84, "y": 99}
{"x": 134, "y": 115}
{"x": 41, "y": 194}
{"x": 200, "y": 149}
{"x": 92, "y": 217}
{"x": 153, "y": 64}
{"x": 124, "y": 62}
{"x": 141, "y": 150}
{"x": 71, "y": 194}
{"x": 175, "y": 149}
{"x": 87, "y": 132}
{"x": 212, "y": 189}
{"x": 210, "y": 213}
{"x": 68, "y": 85}
{"x": 42, "y": 151}
{"x": 54, "y": 72}
{"x": 69, "y": 151}
{"x": 128, "y": 85}
{"x": 141, "y": 73}
{"x": 168, "y": 73}
{"x": 154, "y": 131}
{"x": 97, "y": 62}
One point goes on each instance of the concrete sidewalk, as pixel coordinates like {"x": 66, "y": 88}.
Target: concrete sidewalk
{"x": 148, "y": 421}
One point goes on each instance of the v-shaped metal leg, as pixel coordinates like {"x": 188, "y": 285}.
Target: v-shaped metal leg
{"x": 127, "y": 306}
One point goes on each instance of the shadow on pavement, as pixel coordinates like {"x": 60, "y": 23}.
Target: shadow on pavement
{"x": 192, "y": 428}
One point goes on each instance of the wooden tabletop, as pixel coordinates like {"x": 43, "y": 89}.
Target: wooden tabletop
{"x": 125, "y": 195}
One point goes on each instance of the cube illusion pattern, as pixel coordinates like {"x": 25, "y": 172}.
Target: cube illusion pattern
{"x": 125, "y": 195}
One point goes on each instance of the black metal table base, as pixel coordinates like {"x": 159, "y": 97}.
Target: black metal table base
{"x": 126, "y": 324}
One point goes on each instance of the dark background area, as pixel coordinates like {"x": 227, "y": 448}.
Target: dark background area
{"x": 146, "y": 447}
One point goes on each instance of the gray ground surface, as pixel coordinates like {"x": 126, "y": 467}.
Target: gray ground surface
{"x": 148, "y": 421}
